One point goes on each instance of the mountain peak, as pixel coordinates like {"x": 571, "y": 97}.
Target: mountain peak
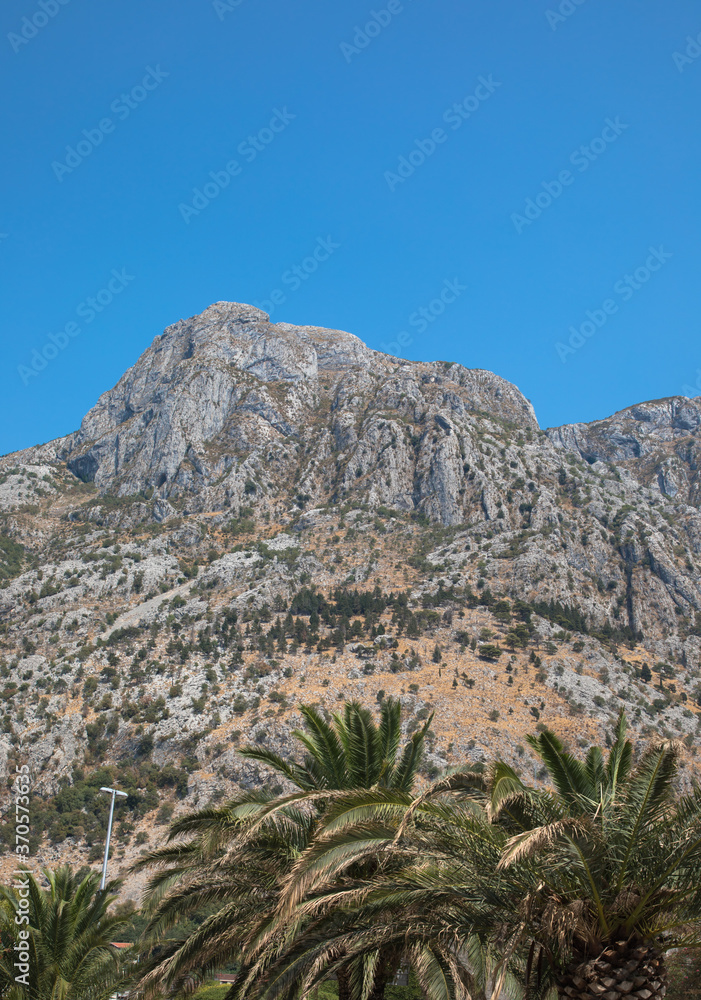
{"x": 241, "y": 335}
{"x": 227, "y": 402}
{"x": 217, "y": 396}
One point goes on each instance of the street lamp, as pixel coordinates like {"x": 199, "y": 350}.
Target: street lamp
{"x": 114, "y": 793}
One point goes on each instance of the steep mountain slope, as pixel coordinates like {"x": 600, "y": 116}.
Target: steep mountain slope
{"x": 260, "y": 514}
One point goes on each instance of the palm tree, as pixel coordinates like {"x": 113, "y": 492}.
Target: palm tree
{"x": 235, "y": 860}
{"x": 223, "y": 869}
{"x": 607, "y": 864}
{"x": 385, "y": 875}
{"x": 580, "y": 886}
{"x": 68, "y": 938}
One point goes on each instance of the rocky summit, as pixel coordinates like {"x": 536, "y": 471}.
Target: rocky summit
{"x": 260, "y": 515}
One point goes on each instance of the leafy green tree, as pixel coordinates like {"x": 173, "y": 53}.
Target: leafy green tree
{"x": 511, "y": 641}
{"x": 66, "y": 939}
{"x": 490, "y": 652}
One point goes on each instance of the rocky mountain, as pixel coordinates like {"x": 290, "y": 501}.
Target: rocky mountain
{"x": 258, "y": 515}
{"x": 227, "y": 397}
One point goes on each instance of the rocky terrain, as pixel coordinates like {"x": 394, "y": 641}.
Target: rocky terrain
{"x": 259, "y": 515}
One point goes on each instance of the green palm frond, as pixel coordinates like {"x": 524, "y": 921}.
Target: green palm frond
{"x": 569, "y": 775}
{"x": 410, "y": 761}
{"x": 299, "y": 775}
{"x": 324, "y": 748}
{"x": 362, "y": 745}
{"x": 620, "y": 759}
{"x": 390, "y": 738}
{"x": 436, "y": 976}
{"x": 457, "y": 781}
{"x": 349, "y": 808}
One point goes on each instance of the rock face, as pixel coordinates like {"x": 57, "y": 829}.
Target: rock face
{"x": 658, "y": 442}
{"x": 226, "y": 397}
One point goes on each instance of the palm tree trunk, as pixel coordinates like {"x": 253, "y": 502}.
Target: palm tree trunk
{"x": 619, "y": 973}
{"x": 385, "y": 971}
{"x": 344, "y": 987}
{"x": 383, "y": 975}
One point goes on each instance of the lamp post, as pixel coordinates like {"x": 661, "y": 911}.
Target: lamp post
{"x": 114, "y": 792}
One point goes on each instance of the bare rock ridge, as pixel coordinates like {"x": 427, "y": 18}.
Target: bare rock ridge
{"x": 214, "y": 392}
{"x": 226, "y": 412}
{"x": 657, "y": 440}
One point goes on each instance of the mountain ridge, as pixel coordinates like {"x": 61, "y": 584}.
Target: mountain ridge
{"x": 259, "y": 515}
{"x": 241, "y": 336}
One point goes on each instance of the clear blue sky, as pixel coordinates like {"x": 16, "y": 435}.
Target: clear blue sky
{"x": 536, "y": 88}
